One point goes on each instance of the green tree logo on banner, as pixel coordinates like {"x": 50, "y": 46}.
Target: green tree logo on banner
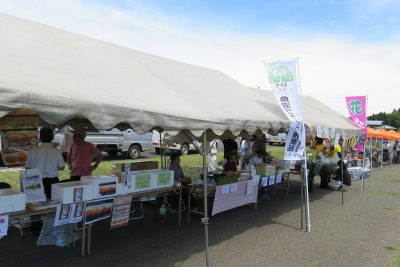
{"x": 355, "y": 107}
{"x": 280, "y": 74}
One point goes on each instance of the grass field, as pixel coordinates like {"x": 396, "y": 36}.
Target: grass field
{"x": 12, "y": 177}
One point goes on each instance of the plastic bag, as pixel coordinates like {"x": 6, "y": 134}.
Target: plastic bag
{"x": 59, "y": 236}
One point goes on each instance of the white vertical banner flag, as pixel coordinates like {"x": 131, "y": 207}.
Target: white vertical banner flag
{"x": 282, "y": 77}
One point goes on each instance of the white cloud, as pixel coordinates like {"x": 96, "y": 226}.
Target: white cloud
{"x": 330, "y": 68}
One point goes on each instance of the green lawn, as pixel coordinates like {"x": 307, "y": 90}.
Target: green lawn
{"x": 105, "y": 167}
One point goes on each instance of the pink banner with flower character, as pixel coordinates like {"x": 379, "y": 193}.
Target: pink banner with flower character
{"x": 358, "y": 112}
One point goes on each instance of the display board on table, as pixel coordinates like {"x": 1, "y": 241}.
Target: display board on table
{"x": 31, "y": 184}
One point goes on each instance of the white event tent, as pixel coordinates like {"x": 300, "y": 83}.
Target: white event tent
{"x": 69, "y": 79}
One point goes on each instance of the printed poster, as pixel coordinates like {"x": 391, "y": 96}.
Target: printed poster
{"x": 32, "y": 186}
{"x": 121, "y": 210}
{"x": 16, "y": 145}
{"x": 98, "y": 210}
{"x": 62, "y": 215}
{"x": 19, "y": 135}
{"x": 69, "y": 213}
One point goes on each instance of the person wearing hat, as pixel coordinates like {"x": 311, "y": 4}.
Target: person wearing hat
{"x": 47, "y": 159}
{"x": 80, "y": 156}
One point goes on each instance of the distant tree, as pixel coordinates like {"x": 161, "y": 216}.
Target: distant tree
{"x": 392, "y": 119}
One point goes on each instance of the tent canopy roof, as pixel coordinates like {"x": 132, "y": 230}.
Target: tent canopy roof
{"x": 69, "y": 78}
{"x": 64, "y": 76}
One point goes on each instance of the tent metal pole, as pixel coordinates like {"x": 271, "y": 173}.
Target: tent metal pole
{"x": 362, "y": 175}
{"x": 161, "y": 154}
{"x": 205, "y": 219}
{"x": 302, "y": 200}
{"x": 308, "y": 220}
{"x": 341, "y": 166}
{"x": 382, "y": 153}
{"x": 370, "y": 154}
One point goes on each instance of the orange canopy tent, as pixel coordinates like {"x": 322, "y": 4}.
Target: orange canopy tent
{"x": 372, "y": 133}
{"x": 382, "y": 133}
{"x": 396, "y": 135}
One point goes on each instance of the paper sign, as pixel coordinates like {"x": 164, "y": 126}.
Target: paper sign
{"x": 225, "y": 189}
{"x": 264, "y": 181}
{"x": 3, "y": 225}
{"x": 143, "y": 181}
{"x": 164, "y": 178}
{"x": 271, "y": 180}
{"x": 234, "y": 187}
{"x": 120, "y": 214}
{"x": 278, "y": 178}
{"x": 31, "y": 185}
{"x": 249, "y": 187}
{"x": 76, "y": 212}
{"x": 62, "y": 215}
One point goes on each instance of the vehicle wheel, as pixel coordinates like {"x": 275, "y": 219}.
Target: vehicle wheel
{"x": 184, "y": 149}
{"x": 270, "y": 143}
{"x": 134, "y": 152}
{"x": 112, "y": 153}
{"x": 158, "y": 150}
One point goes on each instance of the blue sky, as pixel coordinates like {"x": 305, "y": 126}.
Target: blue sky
{"x": 354, "y": 19}
{"x": 344, "y": 47}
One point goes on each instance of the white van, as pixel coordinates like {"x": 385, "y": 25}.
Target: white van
{"x": 184, "y": 148}
{"x": 115, "y": 141}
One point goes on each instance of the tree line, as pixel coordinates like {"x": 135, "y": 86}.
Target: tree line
{"x": 392, "y": 119}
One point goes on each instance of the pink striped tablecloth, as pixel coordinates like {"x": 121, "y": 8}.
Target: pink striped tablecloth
{"x": 224, "y": 201}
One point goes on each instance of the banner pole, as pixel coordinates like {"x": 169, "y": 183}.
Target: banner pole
{"x": 308, "y": 217}
{"x": 362, "y": 175}
{"x": 370, "y": 152}
{"x": 205, "y": 218}
{"x": 363, "y": 165}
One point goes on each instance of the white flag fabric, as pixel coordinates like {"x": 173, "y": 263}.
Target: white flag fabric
{"x": 282, "y": 77}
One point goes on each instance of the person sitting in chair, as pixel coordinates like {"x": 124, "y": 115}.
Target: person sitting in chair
{"x": 230, "y": 165}
{"x": 179, "y": 176}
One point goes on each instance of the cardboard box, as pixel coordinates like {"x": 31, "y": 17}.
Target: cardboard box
{"x": 102, "y": 186}
{"x": 265, "y": 169}
{"x": 163, "y": 178}
{"x": 122, "y": 169}
{"x": 11, "y": 200}
{"x": 71, "y": 192}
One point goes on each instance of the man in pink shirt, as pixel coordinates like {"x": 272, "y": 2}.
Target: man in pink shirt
{"x": 80, "y": 157}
